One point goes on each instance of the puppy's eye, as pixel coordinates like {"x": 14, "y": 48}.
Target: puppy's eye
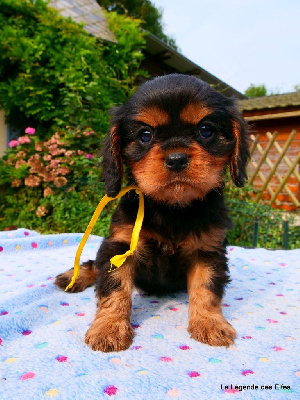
{"x": 206, "y": 131}
{"x": 145, "y": 136}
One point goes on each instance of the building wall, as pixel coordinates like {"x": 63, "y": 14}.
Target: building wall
{"x": 3, "y": 134}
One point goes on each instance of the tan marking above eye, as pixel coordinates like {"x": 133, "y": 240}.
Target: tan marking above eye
{"x": 153, "y": 116}
{"x": 193, "y": 113}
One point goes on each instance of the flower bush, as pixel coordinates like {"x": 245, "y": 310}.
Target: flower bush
{"x": 52, "y": 185}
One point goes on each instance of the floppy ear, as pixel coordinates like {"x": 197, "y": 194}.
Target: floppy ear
{"x": 112, "y": 166}
{"x": 240, "y": 154}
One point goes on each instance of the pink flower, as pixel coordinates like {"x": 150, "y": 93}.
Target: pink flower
{"x": 13, "y": 143}
{"x": 30, "y": 131}
{"x": 24, "y": 139}
{"x": 88, "y": 156}
{"x": 54, "y": 163}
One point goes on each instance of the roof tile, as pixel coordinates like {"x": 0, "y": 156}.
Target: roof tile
{"x": 268, "y": 102}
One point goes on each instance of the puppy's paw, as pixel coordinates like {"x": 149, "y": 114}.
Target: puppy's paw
{"x": 213, "y": 330}
{"x": 113, "y": 336}
{"x": 87, "y": 276}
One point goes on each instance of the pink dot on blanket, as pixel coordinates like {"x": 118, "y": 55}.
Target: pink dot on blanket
{"x": 3, "y": 313}
{"x": 277, "y": 348}
{"x": 110, "y": 390}
{"x": 1, "y": 248}
{"x": 193, "y": 374}
{"x": 28, "y": 375}
{"x": 34, "y": 245}
{"x": 247, "y": 372}
{"x": 232, "y": 391}
{"x": 62, "y": 359}
{"x": 26, "y": 233}
{"x": 166, "y": 359}
{"x": 184, "y": 347}
{"x": 136, "y": 347}
{"x": 26, "y": 333}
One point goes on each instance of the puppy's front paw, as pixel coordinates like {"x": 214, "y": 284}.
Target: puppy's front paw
{"x": 113, "y": 336}
{"x": 213, "y": 330}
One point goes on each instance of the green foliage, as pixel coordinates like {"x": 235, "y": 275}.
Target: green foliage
{"x": 268, "y": 222}
{"x": 256, "y": 91}
{"x": 52, "y": 185}
{"x": 53, "y": 73}
{"x": 144, "y": 10}
{"x": 248, "y": 217}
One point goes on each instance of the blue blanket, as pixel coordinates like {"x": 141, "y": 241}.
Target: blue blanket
{"x": 43, "y": 354}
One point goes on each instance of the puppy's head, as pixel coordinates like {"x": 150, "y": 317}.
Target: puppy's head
{"x": 176, "y": 134}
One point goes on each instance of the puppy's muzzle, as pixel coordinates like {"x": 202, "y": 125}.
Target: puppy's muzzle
{"x": 176, "y": 162}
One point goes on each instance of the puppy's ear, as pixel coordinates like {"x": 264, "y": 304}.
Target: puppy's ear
{"x": 112, "y": 166}
{"x": 240, "y": 154}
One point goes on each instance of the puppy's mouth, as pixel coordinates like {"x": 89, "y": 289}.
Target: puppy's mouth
{"x": 178, "y": 183}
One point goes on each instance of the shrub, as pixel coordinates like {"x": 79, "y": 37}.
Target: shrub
{"x": 53, "y": 73}
{"x": 52, "y": 185}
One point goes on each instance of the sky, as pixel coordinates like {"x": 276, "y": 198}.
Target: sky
{"x": 241, "y": 42}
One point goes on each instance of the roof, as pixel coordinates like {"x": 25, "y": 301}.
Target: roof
{"x": 89, "y": 13}
{"x": 172, "y": 58}
{"x": 269, "y": 102}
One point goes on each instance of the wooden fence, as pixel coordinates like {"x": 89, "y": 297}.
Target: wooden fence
{"x": 274, "y": 171}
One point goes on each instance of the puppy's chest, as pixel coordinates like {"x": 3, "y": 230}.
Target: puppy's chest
{"x": 204, "y": 240}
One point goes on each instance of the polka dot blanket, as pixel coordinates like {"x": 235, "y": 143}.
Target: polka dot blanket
{"x": 43, "y": 354}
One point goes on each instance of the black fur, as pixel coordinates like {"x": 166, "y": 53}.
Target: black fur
{"x": 182, "y": 240}
{"x": 162, "y": 272}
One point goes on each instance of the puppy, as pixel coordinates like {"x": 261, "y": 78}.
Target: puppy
{"x": 173, "y": 139}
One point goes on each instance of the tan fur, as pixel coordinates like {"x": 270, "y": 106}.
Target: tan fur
{"x": 193, "y": 113}
{"x": 207, "y": 241}
{"x": 206, "y": 321}
{"x": 153, "y": 116}
{"x": 86, "y": 278}
{"x": 111, "y": 329}
{"x": 203, "y": 173}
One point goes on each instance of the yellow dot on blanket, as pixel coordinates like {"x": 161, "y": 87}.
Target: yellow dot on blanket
{"x": 10, "y": 360}
{"x": 65, "y": 241}
{"x": 18, "y": 247}
{"x": 264, "y": 359}
{"x": 245, "y": 267}
{"x": 52, "y": 392}
{"x": 142, "y": 372}
{"x": 55, "y": 322}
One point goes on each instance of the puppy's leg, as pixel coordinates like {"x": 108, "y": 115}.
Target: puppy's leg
{"x": 206, "y": 321}
{"x": 87, "y": 277}
{"x": 111, "y": 329}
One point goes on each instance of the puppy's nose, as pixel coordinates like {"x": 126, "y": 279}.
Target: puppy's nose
{"x": 176, "y": 162}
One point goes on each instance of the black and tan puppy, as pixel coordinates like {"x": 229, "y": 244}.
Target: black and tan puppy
{"x": 173, "y": 139}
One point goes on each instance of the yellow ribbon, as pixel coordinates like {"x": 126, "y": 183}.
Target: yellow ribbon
{"x": 117, "y": 260}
